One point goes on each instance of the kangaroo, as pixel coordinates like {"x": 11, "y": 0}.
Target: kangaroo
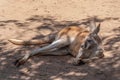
{"x": 83, "y": 44}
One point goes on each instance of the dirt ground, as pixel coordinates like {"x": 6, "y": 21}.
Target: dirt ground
{"x": 33, "y": 19}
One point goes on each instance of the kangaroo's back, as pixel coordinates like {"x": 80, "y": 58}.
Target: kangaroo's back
{"x": 70, "y": 33}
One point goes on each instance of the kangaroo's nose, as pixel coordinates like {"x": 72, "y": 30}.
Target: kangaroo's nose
{"x": 100, "y": 50}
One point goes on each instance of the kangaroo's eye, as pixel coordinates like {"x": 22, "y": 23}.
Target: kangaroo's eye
{"x": 89, "y": 40}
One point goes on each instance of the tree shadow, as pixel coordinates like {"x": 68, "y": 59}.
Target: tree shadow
{"x": 58, "y": 67}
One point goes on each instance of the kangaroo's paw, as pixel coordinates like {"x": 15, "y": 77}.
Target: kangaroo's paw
{"x": 19, "y": 62}
{"x": 77, "y": 62}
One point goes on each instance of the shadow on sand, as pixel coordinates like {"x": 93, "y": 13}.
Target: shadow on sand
{"x": 58, "y": 67}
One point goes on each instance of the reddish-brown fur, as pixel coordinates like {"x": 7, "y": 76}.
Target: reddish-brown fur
{"x": 74, "y": 47}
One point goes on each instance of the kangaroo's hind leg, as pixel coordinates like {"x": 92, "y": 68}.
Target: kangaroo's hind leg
{"x": 56, "y": 44}
{"x": 57, "y": 52}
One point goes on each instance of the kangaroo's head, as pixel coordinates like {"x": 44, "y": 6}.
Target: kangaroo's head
{"x": 91, "y": 46}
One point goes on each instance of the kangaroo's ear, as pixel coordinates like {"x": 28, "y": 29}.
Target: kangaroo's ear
{"x": 93, "y": 28}
{"x": 97, "y": 29}
{"x": 92, "y": 25}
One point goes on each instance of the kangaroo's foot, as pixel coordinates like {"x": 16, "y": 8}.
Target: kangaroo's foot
{"x": 19, "y": 62}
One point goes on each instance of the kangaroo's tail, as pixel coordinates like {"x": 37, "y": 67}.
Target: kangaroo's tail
{"x": 46, "y": 39}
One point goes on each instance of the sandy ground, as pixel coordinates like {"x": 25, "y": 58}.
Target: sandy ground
{"x": 33, "y": 19}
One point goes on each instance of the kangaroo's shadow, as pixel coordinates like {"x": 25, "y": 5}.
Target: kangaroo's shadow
{"x": 56, "y": 67}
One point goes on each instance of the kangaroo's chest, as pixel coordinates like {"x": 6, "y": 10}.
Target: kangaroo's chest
{"x": 75, "y": 46}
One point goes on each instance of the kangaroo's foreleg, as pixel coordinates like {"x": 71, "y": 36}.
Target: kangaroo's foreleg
{"x": 56, "y": 44}
{"x": 78, "y": 59}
